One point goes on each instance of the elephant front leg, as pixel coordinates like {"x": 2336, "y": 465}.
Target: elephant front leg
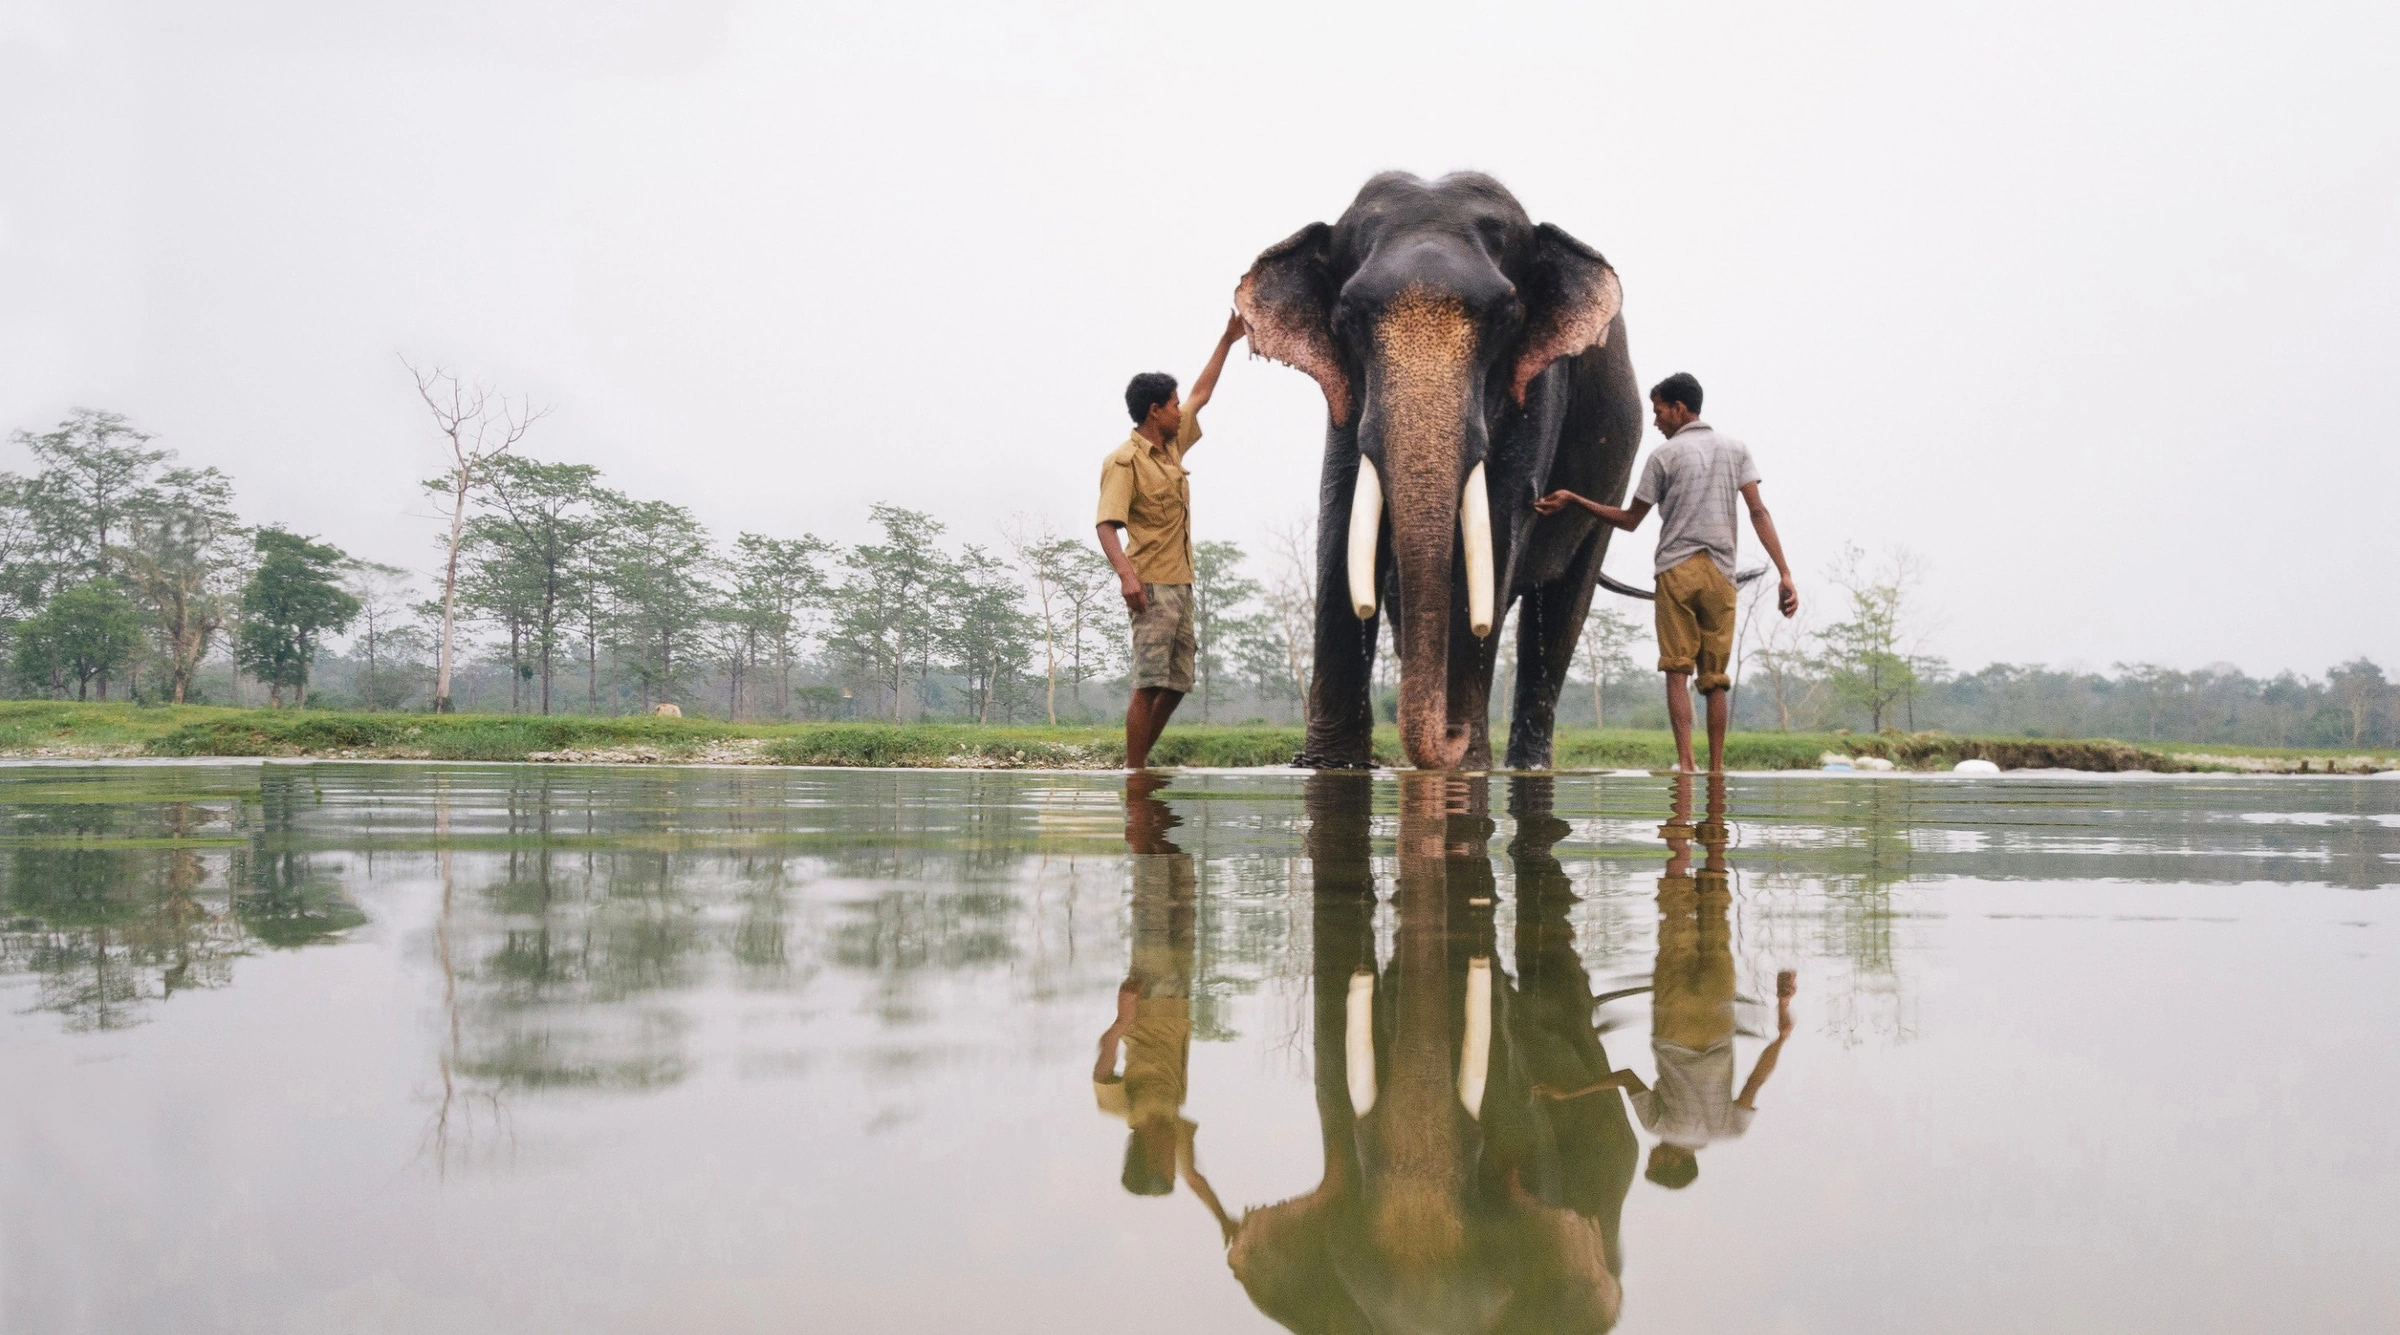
{"x": 1549, "y": 624}
{"x": 1341, "y": 706}
{"x": 1341, "y": 691}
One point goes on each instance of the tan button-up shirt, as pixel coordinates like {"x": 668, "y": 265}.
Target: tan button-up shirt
{"x": 1145, "y": 489}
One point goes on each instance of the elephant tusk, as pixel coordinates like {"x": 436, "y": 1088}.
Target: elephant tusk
{"x": 1475, "y": 1050}
{"x": 1475, "y": 523}
{"x": 1358, "y": 1043}
{"x": 1366, "y": 515}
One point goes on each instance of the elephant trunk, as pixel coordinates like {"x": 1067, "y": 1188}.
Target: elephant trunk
{"x": 1420, "y": 1182}
{"x": 1419, "y": 410}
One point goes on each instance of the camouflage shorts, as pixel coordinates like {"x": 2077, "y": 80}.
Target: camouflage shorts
{"x": 1163, "y": 639}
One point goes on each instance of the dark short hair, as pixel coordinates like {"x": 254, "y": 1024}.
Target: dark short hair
{"x": 1681, "y": 388}
{"x": 1147, "y": 391}
{"x": 1676, "y": 1172}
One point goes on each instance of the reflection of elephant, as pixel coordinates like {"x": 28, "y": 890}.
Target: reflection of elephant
{"x": 1453, "y": 1198}
{"x": 1471, "y": 362}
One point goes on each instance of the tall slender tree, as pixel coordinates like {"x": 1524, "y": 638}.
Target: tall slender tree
{"x": 986, "y": 636}
{"x": 1608, "y": 639}
{"x": 776, "y": 584}
{"x": 661, "y": 593}
{"x": 500, "y": 586}
{"x": 1087, "y": 586}
{"x": 1219, "y": 589}
{"x": 294, "y": 596}
{"x": 543, "y": 514}
{"x": 181, "y": 558}
{"x": 478, "y": 426}
{"x": 886, "y": 615}
{"x": 384, "y": 594}
{"x": 95, "y": 466}
{"x": 1046, "y": 561}
{"x": 1867, "y": 653}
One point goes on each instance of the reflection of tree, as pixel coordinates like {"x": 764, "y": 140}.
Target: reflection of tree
{"x": 1830, "y": 859}
{"x": 121, "y": 891}
{"x": 452, "y": 1129}
{"x": 582, "y": 910}
{"x": 564, "y": 960}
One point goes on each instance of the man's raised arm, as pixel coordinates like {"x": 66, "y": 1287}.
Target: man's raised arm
{"x": 1205, "y": 386}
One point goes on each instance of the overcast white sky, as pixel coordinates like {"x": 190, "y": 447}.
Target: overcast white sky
{"x": 2093, "y": 306}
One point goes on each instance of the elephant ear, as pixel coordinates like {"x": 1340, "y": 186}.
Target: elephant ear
{"x": 1571, "y": 296}
{"x": 1283, "y": 1256}
{"x": 1287, "y": 301}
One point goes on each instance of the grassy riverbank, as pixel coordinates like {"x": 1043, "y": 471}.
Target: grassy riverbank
{"x": 46, "y": 729}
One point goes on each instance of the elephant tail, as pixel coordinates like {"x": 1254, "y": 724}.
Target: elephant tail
{"x": 1615, "y": 585}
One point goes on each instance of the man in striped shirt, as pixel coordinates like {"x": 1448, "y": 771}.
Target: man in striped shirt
{"x": 1693, "y": 480}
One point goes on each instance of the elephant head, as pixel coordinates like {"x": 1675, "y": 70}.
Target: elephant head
{"x": 1424, "y": 314}
{"x": 1452, "y": 1199}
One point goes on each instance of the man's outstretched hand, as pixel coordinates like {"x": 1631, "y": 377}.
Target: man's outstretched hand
{"x": 1555, "y": 502}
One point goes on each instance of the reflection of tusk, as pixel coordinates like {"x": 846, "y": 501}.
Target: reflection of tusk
{"x": 1475, "y": 524}
{"x": 1366, "y": 513}
{"x": 1358, "y": 1043}
{"x": 1475, "y": 1051}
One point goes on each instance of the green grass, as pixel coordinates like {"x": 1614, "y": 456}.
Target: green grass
{"x": 30, "y": 727}
{"x": 925, "y": 744}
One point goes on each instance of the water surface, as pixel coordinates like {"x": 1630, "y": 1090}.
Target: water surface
{"x": 466, "y": 1048}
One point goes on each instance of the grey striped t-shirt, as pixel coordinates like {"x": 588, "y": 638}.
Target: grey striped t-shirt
{"x": 1696, "y": 481}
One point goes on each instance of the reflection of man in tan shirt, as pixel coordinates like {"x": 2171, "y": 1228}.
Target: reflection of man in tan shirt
{"x": 1691, "y": 1002}
{"x": 1692, "y": 991}
{"x": 1153, "y": 1024}
{"x": 1145, "y": 494}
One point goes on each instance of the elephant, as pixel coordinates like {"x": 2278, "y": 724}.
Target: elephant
{"x": 1471, "y": 361}
{"x": 1455, "y": 1195}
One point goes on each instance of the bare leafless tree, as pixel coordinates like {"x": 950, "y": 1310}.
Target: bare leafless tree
{"x": 480, "y": 426}
{"x": 1774, "y": 650}
{"x": 1046, "y": 559}
{"x": 384, "y": 594}
{"x": 1291, "y": 600}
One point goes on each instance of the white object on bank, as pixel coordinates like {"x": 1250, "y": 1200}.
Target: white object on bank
{"x": 1974, "y": 767}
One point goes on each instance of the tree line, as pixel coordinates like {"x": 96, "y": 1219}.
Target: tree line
{"x": 1869, "y": 666}
{"x": 125, "y": 573}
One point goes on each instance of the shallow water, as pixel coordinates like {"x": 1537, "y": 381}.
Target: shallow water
{"x": 461, "y": 1048}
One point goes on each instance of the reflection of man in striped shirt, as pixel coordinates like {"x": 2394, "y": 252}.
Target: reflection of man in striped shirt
{"x": 1691, "y": 1002}
{"x": 1694, "y": 480}
{"x": 1694, "y": 1105}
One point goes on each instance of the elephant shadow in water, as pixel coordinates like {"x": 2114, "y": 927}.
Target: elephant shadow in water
{"x": 1455, "y": 1196}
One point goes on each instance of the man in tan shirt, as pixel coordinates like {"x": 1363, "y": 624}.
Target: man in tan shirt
{"x": 1144, "y": 493}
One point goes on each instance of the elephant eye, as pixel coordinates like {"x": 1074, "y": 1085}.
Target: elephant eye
{"x": 1493, "y": 233}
